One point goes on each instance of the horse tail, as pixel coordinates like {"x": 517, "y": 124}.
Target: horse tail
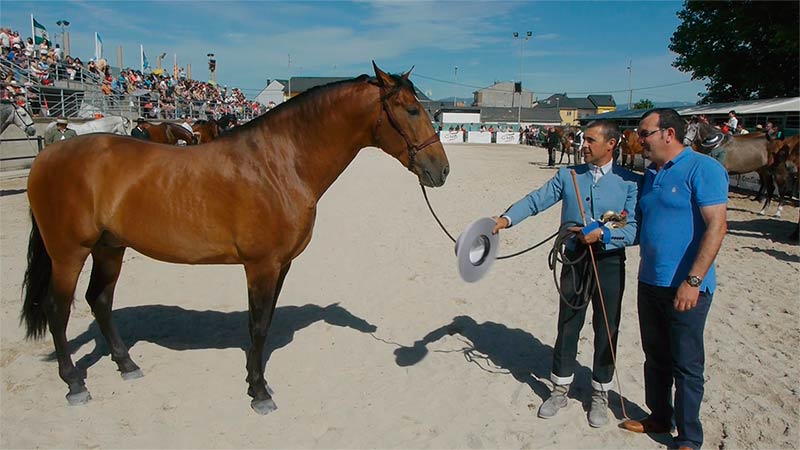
{"x": 36, "y": 284}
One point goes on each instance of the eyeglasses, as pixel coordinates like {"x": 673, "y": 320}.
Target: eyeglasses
{"x": 644, "y": 134}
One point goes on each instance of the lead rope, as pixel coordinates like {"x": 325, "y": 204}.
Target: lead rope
{"x": 430, "y": 208}
{"x": 581, "y": 282}
{"x": 602, "y": 300}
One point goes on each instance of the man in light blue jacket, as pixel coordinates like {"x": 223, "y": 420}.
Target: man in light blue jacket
{"x": 604, "y": 188}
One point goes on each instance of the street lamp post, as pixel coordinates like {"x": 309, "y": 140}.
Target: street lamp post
{"x": 455, "y": 71}
{"x": 630, "y": 92}
{"x": 212, "y": 68}
{"x": 64, "y": 38}
{"x": 522, "y": 41}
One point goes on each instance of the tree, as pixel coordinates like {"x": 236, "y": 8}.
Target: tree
{"x": 745, "y": 49}
{"x": 644, "y": 104}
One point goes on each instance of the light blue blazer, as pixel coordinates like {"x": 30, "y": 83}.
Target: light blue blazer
{"x": 615, "y": 191}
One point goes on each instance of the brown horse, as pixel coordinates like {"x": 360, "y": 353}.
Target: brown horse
{"x": 170, "y": 133}
{"x": 630, "y": 146}
{"x": 247, "y": 198}
{"x": 206, "y": 130}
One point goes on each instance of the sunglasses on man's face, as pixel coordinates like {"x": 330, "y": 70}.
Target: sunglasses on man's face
{"x": 644, "y": 134}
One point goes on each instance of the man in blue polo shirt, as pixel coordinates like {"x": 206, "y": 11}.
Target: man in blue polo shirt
{"x": 603, "y": 187}
{"x": 682, "y": 221}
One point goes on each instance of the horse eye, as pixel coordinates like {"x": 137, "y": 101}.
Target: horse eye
{"x": 413, "y": 111}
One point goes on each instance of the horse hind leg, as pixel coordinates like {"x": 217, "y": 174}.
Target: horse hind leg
{"x": 57, "y": 308}
{"x": 264, "y": 282}
{"x": 106, "y": 266}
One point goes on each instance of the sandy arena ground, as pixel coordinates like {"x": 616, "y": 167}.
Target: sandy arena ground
{"x": 377, "y": 343}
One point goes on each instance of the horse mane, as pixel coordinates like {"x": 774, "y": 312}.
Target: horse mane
{"x": 315, "y": 92}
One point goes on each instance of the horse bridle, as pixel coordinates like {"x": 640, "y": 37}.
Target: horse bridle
{"x": 412, "y": 149}
{"x": 16, "y": 111}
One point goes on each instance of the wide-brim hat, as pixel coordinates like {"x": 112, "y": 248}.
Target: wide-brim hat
{"x": 140, "y": 120}
{"x": 62, "y": 121}
{"x": 713, "y": 140}
{"x": 476, "y": 249}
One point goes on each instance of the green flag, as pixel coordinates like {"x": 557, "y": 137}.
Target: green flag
{"x": 39, "y": 33}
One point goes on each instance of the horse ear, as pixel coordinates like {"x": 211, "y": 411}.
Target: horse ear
{"x": 383, "y": 78}
{"x": 405, "y": 75}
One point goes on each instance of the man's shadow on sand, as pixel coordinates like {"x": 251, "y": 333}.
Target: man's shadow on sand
{"x": 516, "y": 351}
{"x": 184, "y": 329}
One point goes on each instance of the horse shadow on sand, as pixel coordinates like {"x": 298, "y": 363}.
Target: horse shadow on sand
{"x": 496, "y": 348}
{"x": 774, "y": 229}
{"x": 183, "y": 329}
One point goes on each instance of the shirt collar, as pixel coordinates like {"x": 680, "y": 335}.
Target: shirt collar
{"x": 604, "y": 169}
{"x": 682, "y": 155}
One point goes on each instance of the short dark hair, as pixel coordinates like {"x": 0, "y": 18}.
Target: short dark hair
{"x": 610, "y": 128}
{"x": 669, "y": 118}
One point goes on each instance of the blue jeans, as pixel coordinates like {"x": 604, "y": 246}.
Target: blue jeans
{"x": 673, "y": 347}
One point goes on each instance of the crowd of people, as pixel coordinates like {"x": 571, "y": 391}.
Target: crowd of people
{"x": 157, "y": 94}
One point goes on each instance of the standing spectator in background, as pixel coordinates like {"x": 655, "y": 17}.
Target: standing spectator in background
{"x": 29, "y": 47}
{"x": 140, "y": 132}
{"x": 733, "y": 121}
{"x": 773, "y": 131}
{"x": 5, "y": 39}
{"x": 59, "y": 133}
{"x": 741, "y": 130}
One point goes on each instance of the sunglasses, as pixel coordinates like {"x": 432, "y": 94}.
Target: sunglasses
{"x": 644, "y": 134}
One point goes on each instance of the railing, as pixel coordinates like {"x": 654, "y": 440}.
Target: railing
{"x": 51, "y": 75}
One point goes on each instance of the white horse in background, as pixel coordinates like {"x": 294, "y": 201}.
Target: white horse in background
{"x": 11, "y": 113}
{"x": 113, "y": 124}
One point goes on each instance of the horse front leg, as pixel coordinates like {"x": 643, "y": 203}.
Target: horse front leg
{"x": 264, "y": 282}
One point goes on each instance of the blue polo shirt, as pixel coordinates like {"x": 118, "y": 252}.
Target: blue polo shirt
{"x": 670, "y": 222}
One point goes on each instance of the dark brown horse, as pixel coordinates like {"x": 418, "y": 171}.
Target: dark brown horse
{"x": 171, "y": 133}
{"x": 206, "y": 130}
{"x": 249, "y": 198}
{"x": 778, "y": 174}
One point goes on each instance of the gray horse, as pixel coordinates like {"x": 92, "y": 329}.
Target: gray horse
{"x": 17, "y": 115}
{"x": 739, "y": 154}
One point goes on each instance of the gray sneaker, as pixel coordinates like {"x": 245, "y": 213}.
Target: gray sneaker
{"x": 598, "y": 410}
{"x": 557, "y": 401}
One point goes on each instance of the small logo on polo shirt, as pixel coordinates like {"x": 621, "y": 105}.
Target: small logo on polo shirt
{"x": 674, "y": 189}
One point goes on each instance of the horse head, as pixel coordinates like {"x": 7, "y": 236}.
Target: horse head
{"x": 707, "y": 138}
{"x": 23, "y": 119}
{"x": 407, "y": 133}
{"x": 126, "y": 125}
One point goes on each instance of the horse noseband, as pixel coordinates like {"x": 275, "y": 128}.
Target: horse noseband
{"x": 412, "y": 149}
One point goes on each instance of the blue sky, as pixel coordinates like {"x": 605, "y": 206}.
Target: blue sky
{"x": 577, "y": 47}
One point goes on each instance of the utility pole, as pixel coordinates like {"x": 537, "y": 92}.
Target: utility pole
{"x": 630, "y": 91}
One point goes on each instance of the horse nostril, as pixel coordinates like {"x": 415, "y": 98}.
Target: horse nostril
{"x": 445, "y": 172}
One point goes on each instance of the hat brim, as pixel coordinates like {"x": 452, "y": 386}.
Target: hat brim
{"x": 476, "y": 249}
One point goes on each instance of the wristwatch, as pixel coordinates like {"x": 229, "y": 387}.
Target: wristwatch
{"x": 694, "y": 280}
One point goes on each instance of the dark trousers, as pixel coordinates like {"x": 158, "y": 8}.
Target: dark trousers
{"x": 611, "y": 269}
{"x": 673, "y": 348}
{"x": 551, "y": 155}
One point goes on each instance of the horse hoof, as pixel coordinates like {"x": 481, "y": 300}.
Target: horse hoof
{"x": 79, "y": 398}
{"x": 132, "y": 375}
{"x": 263, "y": 407}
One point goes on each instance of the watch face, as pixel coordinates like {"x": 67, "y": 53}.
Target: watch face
{"x": 694, "y": 281}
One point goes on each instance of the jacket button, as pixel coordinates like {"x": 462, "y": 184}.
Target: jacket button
{"x": 588, "y": 199}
